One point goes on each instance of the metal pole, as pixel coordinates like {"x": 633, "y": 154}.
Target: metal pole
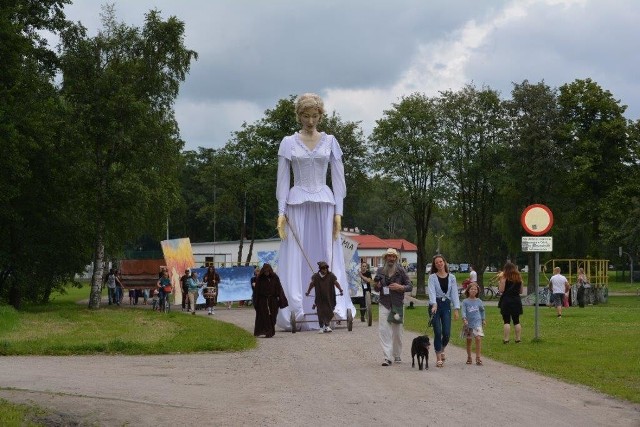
{"x": 167, "y": 227}
{"x": 536, "y": 278}
{"x": 630, "y": 263}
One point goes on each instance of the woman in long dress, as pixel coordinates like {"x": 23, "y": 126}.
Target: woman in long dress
{"x": 269, "y": 297}
{"x": 310, "y": 213}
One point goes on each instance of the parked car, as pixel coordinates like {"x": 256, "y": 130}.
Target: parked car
{"x": 464, "y": 267}
{"x": 525, "y": 269}
{"x": 454, "y": 268}
{"x": 412, "y": 267}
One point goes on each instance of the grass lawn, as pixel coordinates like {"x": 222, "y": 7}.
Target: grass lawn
{"x": 597, "y": 346}
{"x": 64, "y": 327}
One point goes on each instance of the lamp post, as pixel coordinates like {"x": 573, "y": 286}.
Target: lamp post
{"x": 438, "y": 248}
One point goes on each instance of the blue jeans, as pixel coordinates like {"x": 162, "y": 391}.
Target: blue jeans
{"x": 111, "y": 292}
{"x": 441, "y": 325}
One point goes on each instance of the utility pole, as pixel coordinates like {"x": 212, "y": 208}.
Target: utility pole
{"x": 620, "y": 252}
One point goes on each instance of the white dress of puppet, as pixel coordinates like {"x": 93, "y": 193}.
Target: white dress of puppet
{"x": 310, "y": 206}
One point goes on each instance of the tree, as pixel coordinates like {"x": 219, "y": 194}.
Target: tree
{"x": 406, "y": 145}
{"x": 621, "y": 208}
{"x": 41, "y": 227}
{"x": 474, "y": 132}
{"x": 533, "y": 165}
{"x": 119, "y": 88}
{"x": 594, "y": 149}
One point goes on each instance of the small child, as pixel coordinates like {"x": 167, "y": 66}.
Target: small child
{"x": 154, "y": 300}
{"x": 474, "y": 319}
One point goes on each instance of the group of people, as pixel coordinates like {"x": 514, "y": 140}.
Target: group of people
{"x": 309, "y": 224}
{"x": 114, "y": 287}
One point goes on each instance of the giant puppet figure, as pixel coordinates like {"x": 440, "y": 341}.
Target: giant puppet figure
{"x": 309, "y": 213}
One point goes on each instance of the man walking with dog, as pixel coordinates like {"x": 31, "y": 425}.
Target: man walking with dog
{"x": 391, "y": 281}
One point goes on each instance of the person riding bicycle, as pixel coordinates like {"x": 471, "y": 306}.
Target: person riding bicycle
{"x": 164, "y": 288}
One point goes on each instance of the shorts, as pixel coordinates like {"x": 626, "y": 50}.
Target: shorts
{"x": 557, "y": 299}
{"x": 472, "y": 332}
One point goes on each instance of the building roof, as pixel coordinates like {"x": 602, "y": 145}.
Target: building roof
{"x": 369, "y": 241}
{"x": 401, "y": 245}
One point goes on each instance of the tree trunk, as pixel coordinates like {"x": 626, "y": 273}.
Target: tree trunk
{"x": 241, "y": 244}
{"x": 253, "y": 233}
{"x": 98, "y": 269}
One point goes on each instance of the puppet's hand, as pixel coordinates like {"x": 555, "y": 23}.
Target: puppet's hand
{"x": 282, "y": 221}
{"x": 337, "y": 226}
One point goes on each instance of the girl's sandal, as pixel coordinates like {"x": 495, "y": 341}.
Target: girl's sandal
{"x": 442, "y": 357}
{"x": 468, "y": 360}
{"x": 478, "y": 361}
{"x": 439, "y": 364}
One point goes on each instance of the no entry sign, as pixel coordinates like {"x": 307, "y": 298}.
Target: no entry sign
{"x": 536, "y": 219}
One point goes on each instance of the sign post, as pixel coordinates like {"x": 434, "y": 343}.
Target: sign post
{"x": 536, "y": 220}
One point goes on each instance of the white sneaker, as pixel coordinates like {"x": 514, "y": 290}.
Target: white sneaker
{"x": 328, "y": 329}
{"x": 321, "y": 331}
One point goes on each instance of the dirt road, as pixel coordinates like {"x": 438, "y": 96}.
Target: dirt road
{"x": 304, "y": 378}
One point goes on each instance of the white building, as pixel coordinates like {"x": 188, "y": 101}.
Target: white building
{"x": 224, "y": 254}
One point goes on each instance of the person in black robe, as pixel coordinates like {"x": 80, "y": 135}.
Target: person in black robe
{"x": 324, "y": 283}
{"x": 269, "y": 298}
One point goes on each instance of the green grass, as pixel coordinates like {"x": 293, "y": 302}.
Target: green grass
{"x": 597, "y": 346}
{"x": 19, "y": 415}
{"x": 64, "y": 327}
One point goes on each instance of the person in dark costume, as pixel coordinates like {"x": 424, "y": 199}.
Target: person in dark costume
{"x": 269, "y": 298}
{"x": 324, "y": 283}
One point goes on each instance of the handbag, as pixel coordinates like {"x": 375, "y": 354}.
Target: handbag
{"x": 396, "y": 315}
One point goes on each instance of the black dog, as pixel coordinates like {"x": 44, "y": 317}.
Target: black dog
{"x": 420, "y": 347}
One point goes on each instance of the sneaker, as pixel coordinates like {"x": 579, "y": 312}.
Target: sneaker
{"x": 328, "y": 329}
{"x": 397, "y": 359}
{"x": 386, "y": 362}
{"x": 321, "y": 331}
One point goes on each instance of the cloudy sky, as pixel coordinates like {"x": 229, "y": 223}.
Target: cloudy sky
{"x": 363, "y": 55}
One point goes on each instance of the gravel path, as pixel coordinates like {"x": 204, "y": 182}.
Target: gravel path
{"x": 303, "y": 378}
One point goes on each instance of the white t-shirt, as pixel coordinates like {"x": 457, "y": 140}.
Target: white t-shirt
{"x": 473, "y": 276}
{"x": 557, "y": 283}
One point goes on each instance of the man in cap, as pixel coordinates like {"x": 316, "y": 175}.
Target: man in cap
{"x": 391, "y": 281}
{"x": 324, "y": 283}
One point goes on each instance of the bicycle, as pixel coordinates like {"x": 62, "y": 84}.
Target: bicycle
{"x": 167, "y": 303}
{"x": 489, "y": 293}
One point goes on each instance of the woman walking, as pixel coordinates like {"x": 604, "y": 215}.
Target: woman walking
{"x": 510, "y": 287}
{"x": 443, "y": 292}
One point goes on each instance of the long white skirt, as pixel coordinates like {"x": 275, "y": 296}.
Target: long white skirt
{"x": 312, "y": 225}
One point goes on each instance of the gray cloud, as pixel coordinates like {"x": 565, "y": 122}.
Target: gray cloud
{"x": 363, "y": 55}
